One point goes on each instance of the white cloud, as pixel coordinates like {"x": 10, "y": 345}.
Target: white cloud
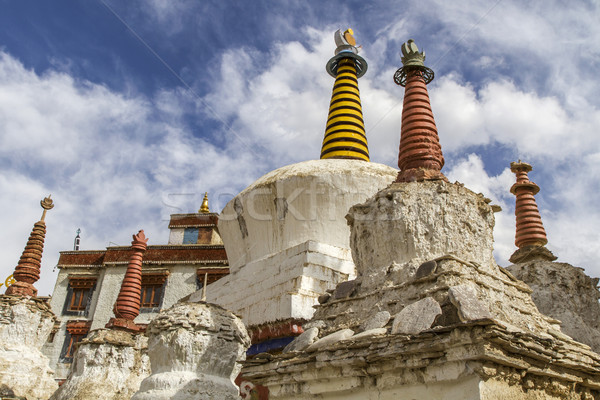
{"x": 113, "y": 164}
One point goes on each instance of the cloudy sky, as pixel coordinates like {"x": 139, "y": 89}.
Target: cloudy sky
{"x": 129, "y": 112}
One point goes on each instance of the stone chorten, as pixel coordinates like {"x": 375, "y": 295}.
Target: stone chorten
{"x": 560, "y": 290}
{"x": 420, "y": 157}
{"x": 111, "y": 363}
{"x": 345, "y": 132}
{"x": 194, "y": 349}
{"x": 27, "y": 271}
{"x": 430, "y": 314}
{"x": 285, "y": 234}
{"x": 25, "y": 324}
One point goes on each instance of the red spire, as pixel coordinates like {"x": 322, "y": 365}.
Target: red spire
{"x": 420, "y": 155}
{"x": 128, "y": 303}
{"x": 27, "y": 272}
{"x": 530, "y": 230}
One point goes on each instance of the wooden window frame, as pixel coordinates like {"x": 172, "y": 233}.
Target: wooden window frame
{"x": 81, "y": 289}
{"x": 157, "y": 282}
{"x": 75, "y": 332}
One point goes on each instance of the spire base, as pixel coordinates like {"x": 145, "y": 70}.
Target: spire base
{"x": 334, "y": 62}
{"x": 531, "y": 253}
{"x": 420, "y": 175}
{"x": 402, "y": 73}
{"x": 22, "y": 289}
{"x": 125, "y": 325}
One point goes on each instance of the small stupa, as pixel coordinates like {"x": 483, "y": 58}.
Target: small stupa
{"x": 27, "y": 321}
{"x": 111, "y": 363}
{"x": 560, "y": 290}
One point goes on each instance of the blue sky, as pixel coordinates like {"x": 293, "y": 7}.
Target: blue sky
{"x": 128, "y": 112}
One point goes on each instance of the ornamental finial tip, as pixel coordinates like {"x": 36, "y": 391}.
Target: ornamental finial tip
{"x": 411, "y": 55}
{"x": 204, "y": 207}
{"x": 46, "y": 204}
{"x": 345, "y": 41}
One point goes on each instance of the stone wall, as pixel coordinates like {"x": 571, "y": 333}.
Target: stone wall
{"x": 109, "y": 365}
{"x": 25, "y": 324}
{"x": 566, "y": 293}
{"x": 477, "y": 361}
{"x": 284, "y": 285}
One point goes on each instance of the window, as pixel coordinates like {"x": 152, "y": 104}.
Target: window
{"x": 153, "y": 288}
{"x": 214, "y": 274}
{"x": 79, "y": 299}
{"x": 79, "y": 295}
{"x": 190, "y": 235}
{"x": 76, "y": 331}
{"x": 71, "y": 341}
{"x": 151, "y": 296}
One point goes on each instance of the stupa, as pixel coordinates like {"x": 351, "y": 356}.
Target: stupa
{"x": 560, "y": 290}
{"x": 110, "y": 363}
{"x": 25, "y": 324}
{"x": 430, "y": 314}
{"x": 285, "y": 235}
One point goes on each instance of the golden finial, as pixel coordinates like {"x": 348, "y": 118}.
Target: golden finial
{"x": 204, "y": 207}
{"x": 46, "y": 204}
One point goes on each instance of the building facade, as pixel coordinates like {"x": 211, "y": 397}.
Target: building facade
{"x": 88, "y": 282}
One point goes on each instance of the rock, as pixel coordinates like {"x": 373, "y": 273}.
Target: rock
{"x": 108, "y": 364}
{"x": 378, "y": 320}
{"x": 315, "y": 323}
{"x": 449, "y": 315}
{"x": 194, "y": 349}
{"x": 465, "y": 299}
{"x": 330, "y": 339}
{"x": 304, "y": 340}
{"x": 324, "y": 298}
{"x": 425, "y": 269}
{"x": 25, "y": 324}
{"x": 416, "y": 317}
{"x": 566, "y": 293}
{"x": 370, "y": 333}
{"x": 418, "y": 221}
{"x": 345, "y": 290}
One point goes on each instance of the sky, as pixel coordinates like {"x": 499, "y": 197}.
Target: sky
{"x": 127, "y": 112}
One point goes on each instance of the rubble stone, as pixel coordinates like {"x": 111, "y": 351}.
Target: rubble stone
{"x": 379, "y": 320}
{"x": 25, "y": 324}
{"x": 344, "y": 289}
{"x": 469, "y": 307}
{"x": 330, "y": 339}
{"x": 425, "y": 269}
{"x": 566, "y": 293}
{"x": 302, "y": 341}
{"x": 370, "y": 333}
{"x": 109, "y": 364}
{"x": 416, "y": 317}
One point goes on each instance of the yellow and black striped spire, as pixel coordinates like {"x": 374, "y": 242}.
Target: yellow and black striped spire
{"x": 345, "y": 132}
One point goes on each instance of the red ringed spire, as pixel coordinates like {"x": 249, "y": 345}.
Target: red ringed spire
{"x": 530, "y": 235}
{"x": 127, "y": 306}
{"x": 420, "y": 154}
{"x": 27, "y": 272}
